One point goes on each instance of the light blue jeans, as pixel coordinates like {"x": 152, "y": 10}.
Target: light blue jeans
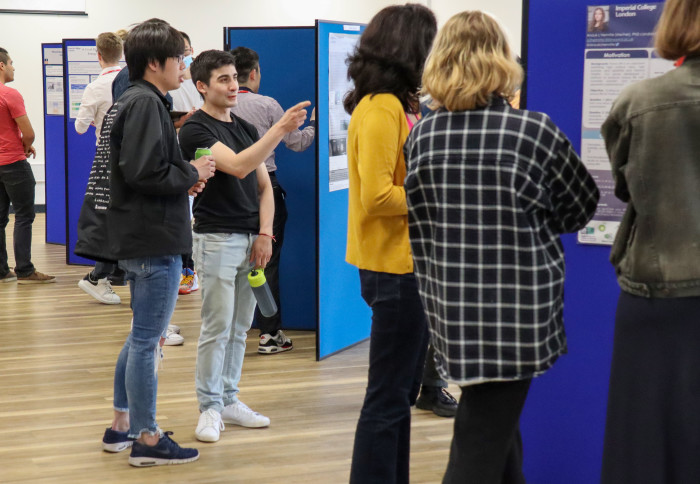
{"x": 228, "y": 303}
{"x": 153, "y": 282}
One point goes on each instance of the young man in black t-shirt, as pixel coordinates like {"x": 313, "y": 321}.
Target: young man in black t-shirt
{"x": 232, "y": 234}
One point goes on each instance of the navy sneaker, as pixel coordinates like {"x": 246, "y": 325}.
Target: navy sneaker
{"x": 165, "y": 452}
{"x": 115, "y": 441}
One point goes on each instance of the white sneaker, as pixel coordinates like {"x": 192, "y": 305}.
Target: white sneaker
{"x": 172, "y": 338}
{"x": 239, "y": 414}
{"x": 209, "y": 426}
{"x": 174, "y": 328}
{"x": 195, "y": 282}
{"x": 101, "y": 290}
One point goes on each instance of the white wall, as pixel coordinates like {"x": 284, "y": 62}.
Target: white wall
{"x": 203, "y": 20}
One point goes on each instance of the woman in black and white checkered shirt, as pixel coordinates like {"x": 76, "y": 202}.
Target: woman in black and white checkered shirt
{"x": 490, "y": 188}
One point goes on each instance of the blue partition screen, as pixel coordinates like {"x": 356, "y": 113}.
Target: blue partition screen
{"x": 54, "y": 149}
{"x": 344, "y": 318}
{"x": 79, "y": 148}
{"x": 287, "y": 69}
{"x": 564, "y": 417}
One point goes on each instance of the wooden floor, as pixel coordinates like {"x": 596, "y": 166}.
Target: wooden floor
{"x": 58, "y": 347}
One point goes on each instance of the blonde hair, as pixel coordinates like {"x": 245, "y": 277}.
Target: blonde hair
{"x": 470, "y": 62}
{"x": 122, "y": 33}
{"x": 110, "y": 47}
{"x": 678, "y": 31}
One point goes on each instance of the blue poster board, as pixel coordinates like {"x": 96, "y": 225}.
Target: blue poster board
{"x": 287, "y": 69}
{"x": 54, "y": 154}
{"x": 80, "y": 68}
{"x": 564, "y": 418}
{"x": 343, "y": 317}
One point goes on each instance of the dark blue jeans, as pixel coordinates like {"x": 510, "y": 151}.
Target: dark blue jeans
{"x": 398, "y": 342}
{"x": 17, "y": 186}
{"x": 153, "y": 282}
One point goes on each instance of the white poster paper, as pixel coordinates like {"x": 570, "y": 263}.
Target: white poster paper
{"x": 340, "y": 46}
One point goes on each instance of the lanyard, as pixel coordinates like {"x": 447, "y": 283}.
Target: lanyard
{"x": 242, "y": 90}
{"x": 109, "y": 72}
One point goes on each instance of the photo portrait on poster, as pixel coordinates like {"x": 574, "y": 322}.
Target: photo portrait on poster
{"x": 598, "y": 19}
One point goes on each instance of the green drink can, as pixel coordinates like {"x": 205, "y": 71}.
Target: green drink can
{"x": 202, "y": 152}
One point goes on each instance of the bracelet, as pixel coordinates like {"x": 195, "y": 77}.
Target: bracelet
{"x": 268, "y": 235}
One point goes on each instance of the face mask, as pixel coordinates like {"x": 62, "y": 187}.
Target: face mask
{"x": 187, "y": 60}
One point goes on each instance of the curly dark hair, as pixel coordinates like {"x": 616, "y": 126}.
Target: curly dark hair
{"x": 390, "y": 55}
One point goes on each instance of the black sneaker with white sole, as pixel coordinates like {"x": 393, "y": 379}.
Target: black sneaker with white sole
{"x": 115, "y": 441}
{"x": 165, "y": 452}
{"x": 274, "y": 344}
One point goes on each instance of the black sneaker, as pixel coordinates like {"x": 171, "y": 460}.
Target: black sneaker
{"x": 118, "y": 278}
{"x": 274, "y": 344}
{"x": 165, "y": 452}
{"x": 438, "y": 400}
{"x": 115, "y": 441}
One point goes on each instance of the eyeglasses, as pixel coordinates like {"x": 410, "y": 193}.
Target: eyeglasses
{"x": 179, "y": 58}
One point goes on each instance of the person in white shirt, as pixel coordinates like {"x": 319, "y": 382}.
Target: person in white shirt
{"x": 187, "y": 98}
{"x": 97, "y": 97}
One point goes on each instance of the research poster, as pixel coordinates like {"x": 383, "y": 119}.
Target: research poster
{"x": 340, "y": 46}
{"x": 83, "y": 67}
{"x": 619, "y": 51}
{"x": 53, "y": 74}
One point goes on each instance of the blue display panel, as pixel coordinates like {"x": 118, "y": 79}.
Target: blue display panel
{"x": 54, "y": 149}
{"x": 564, "y": 417}
{"x": 80, "y": 68}
{"x": 343, "y": 317}
{"x": 287, "y": 68}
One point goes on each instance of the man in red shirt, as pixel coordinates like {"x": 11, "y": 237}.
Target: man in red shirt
{"x": 16, "y": 180}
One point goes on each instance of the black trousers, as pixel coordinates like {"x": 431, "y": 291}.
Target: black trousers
{"x": 652, "y": 430}
{"x": 431, "y": 377}
{"x": 486, "y": 445}
{"x": 397, "y": 345}
{"x": 272, "y": 324}
{"x": 17, "y": 187}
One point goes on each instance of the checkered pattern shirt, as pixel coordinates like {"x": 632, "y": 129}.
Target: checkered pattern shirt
{"x": 489, "y": 192}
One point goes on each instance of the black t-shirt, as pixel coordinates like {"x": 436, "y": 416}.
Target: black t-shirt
{"x": 228, "y": 204}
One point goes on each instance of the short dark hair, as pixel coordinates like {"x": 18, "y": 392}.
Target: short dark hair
{"x": 152, "y": 40}
{"x": 208, "y": 61}
{"x": 4, "y": 56}
{"x": 187, "y": 37}
{"x": 390, "y": 55}
{"x": 246, "y": 61}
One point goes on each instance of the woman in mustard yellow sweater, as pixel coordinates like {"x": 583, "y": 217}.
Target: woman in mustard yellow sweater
{"x": 386, "y": 68}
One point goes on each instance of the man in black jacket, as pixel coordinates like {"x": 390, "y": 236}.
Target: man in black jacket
{"x": 148, "y": 226}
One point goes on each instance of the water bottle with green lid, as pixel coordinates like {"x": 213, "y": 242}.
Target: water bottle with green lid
{"x": 261, "y": 290}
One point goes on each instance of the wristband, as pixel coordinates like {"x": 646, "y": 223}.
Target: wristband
{"x": 268, "y": 235}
